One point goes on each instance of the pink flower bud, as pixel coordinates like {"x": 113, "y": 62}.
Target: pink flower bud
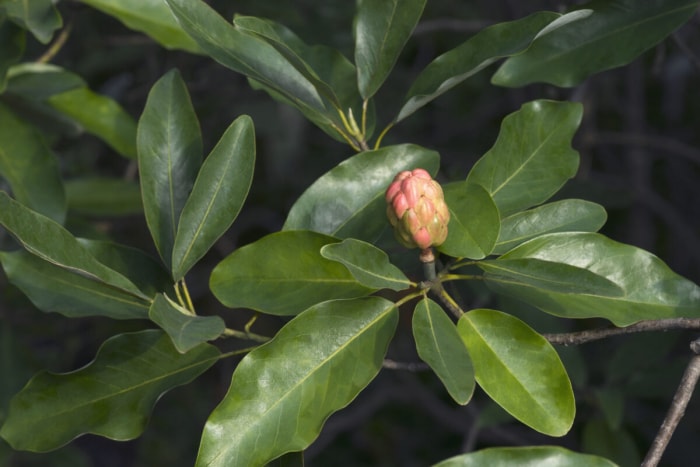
{"x": 416, "y": 209}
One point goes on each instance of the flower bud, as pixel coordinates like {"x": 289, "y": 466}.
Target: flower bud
{"x": 416, "y": 209}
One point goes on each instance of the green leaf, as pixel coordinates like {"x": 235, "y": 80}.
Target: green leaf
{"x": 112, "y": 396}
{"x": 348, "y": 201}
{"x": 29, "y": 166}
{"x": 100, "y": 116}
{"x": 439, "y": 345}
{"x": 282, "y": 393}
{"x": 40, "y": 17}
{"x": 650, "y": 290}
{"x": 54, "y": 289}
{"x": 367, "y": 263}
{"x": 12, "y": 43}
{"x": 217, "y": 196}
{"x": 170, "y": 155}
{"x": 484, "y": 48}
{"x": 50, "y": 241}
{"x": 39, "y": 81}
{"x": 101, "y": 196}
{"x": 618, "y": 444}
{"x": 474, "y": 221}
{"x": 382, "y": 28}
{"x": 532, "y": 157}
{"x": 283, "y": 274}
{"x": 568, "y": 215}
{"x": 530, "y": 456}
{"x": 185, "y": 330}
{"x": 152, "y": 17}
{"x": 605, "y": 34}
{"x": 519, "y": 370}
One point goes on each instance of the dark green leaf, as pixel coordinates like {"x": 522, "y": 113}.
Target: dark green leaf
{"x": 568, "y": 215}
{"x": 39, "y": 81}
{"x": 112, "y": 396}
{"x": 185, "y": 329}
{"x": 531, "y": 456}
{"x": 283, "y": 274}
{"x": 170, "y": 155}
{"x": 617, "y": 444}
{"x": 474, "y": 221}
{"x": 282, "y": 393}
{"x": 217, "y": 196}
{"x": 348, "y": 201}
{"x": 152, "y": 17}
{"x": 650, "y": 290}
{"x": 52, "y": 288}
{"x": 532, "y": 157}
{"x": 519, "y": 370}
{"x": 12, "y": 42}
{"x": 382, "y": 28}
{"x": 439, "y": 345}
{"x": 104, "y": 196}
{"x": 472, "y": 56}
{"x": 603, "y": 35}
{"x": 29, "y": 166}
{"x": 367, "y": 263}
{"x": 40, "y": 17}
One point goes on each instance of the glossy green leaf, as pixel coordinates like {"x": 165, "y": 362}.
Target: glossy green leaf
{"x": 650, "y": 290}
{"x": 568, "y": 215}
{"x": 54, "y": 289}
{"x": 39, "y": 81}
{"x": 50, "y": 241}
{"x": 100, "y": 196}
{"x": 185, "y": 329}
{"x": 100, "y": 116}
{"x": 519, "y": 370}
{"x": 40, "y": 17}
{"x": 218, "y": 194}
{"x": 530, "y": 456}
{"x": 484, "y": 48}
{"x": 112, "y": 396}
{"x": 29, "y": 166}
{"x": 474, "y": 221}
{"x": 152, "y": 17}
{"x": 532, "y": 157}
{"x": 12, "y": 43}
{"x": 348, "y": 201}
{"x": 367, "y": 263}
{"x": 283, "y": 274}
{"x": 439, "y": 345}
{"x": 610, "y": 34}
{"x": 170, "y": 155}
{"x": 382, "y": 28}
{"x": 282, "y": 393}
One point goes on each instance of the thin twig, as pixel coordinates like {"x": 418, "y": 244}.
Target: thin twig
{"x": 581, "y": 337}
{"x": 408, "y": 366}
{"x": 677, "y": 409}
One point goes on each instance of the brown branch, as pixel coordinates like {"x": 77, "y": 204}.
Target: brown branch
{"x": 581, "y": 337}
{"x": 677, "y": 409}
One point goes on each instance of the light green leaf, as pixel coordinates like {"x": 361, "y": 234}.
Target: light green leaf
{"x": 650, "y": 290}
{"x": 367, "y": 263}
{"x": 185, "y": 329}
{"x": 613, "y": 34}
{"x": 282, "y": 393}
{"x": 529, "y": 456}
{"x": 474, "y": 221}
{"x": 54, "y": 289}
{"x": 29, "y": 166}
{"x": 519, "y": 370}
{"x": 217, "y": 196}
{"x": 169, "y": 155}
{"x": 112, "y": 396}
{"x": 382, "y": 28}
{"x": 439, "y": 345}
{"x": 484, "y": 48}
{"x": 532, "y": 157}
{"x": 348, "y": 201}
{"x": 100, "y": 196}
{"x": 568, "y": 215}
{"x": 40, "y": 17}
{"x": 152, "y": 17}
{"x": 50, "y": 241}
{"x": 283, "y": 274}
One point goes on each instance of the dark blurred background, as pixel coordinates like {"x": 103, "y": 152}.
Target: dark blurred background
{"x": 640, "y": 157}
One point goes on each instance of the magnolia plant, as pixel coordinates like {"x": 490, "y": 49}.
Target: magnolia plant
{"x": 334, "y": 274}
